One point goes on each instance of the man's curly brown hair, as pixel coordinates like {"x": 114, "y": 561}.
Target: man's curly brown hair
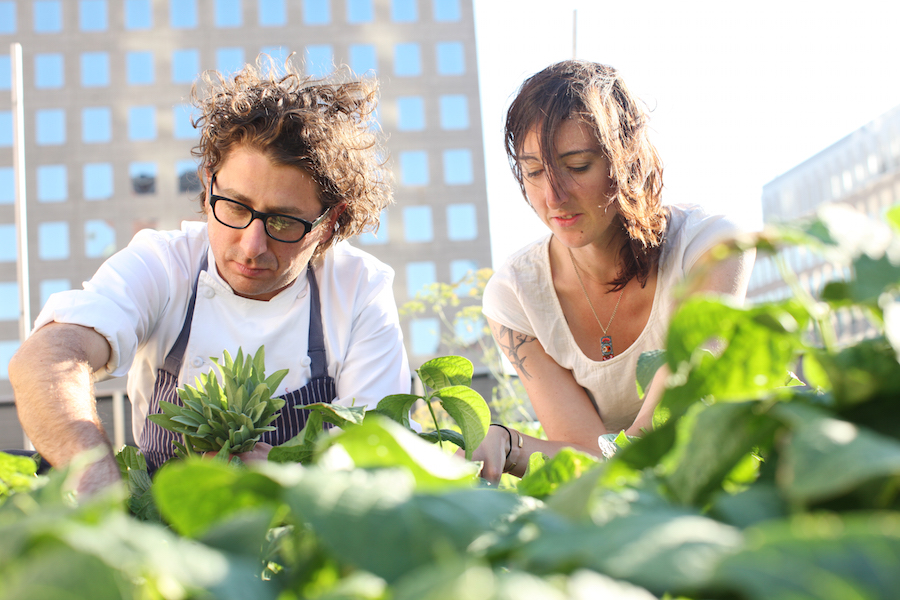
{"x": 596, "y": 95}
{"x": 324, "y": 126}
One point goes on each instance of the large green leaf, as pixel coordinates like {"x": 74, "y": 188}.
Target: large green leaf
{"x": 62, "y": 573}
{"x": 567, "y": 465}
{"x": 445, "y": 371}
{"x": 397, "y": 407}
{"x": 647, "y": 366}
{"x": 340, "y": 416}
{"x": 469, "y": 410}
{"x": 863, "y": 371}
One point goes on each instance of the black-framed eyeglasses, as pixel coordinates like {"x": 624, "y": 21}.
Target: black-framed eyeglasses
{"x": 281, "y": 228}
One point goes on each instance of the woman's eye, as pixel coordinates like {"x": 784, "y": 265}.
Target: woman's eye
{"x": 534, "y": 174}
{"x": 579, "y": 169}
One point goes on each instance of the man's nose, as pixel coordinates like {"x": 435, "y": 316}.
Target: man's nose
{"x": 254, "y": 240}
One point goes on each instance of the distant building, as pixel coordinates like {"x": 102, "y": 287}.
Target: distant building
{"x": 108, "y": 130}
{"x": 862, "y": 171}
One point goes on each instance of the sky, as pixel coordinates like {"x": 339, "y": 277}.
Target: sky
{"x": 739, "y": 92}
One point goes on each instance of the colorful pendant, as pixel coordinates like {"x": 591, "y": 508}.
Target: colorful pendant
{"x": 606, "y": 347}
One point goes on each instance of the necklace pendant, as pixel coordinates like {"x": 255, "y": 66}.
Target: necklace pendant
{"x": 606, "y": 347}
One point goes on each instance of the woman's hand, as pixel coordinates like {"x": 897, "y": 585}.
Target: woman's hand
{"x": 492, "y": 453}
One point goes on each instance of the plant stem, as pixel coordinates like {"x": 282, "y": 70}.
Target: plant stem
{"x": 437, "y": 427}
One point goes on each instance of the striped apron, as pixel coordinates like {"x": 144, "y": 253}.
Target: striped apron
{"x": 156, "y": 442}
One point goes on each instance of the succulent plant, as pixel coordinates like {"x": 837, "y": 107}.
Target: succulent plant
{"x": 227, "y": 418}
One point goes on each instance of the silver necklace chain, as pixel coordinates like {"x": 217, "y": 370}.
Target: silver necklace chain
{"x": 588, "y": 298}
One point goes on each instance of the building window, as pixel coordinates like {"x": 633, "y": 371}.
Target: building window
{"x": 380, "y": 237}
{"x": 229, "y": 60}
{"x": 454, "y": 112}
{"x": 183, "y": 14}
{"x": 7, "y": 185}
{"x": 407, "y": 60}
{"x": 417, "y": 224}
{"x": 53, "y": 286}
{"x": 360, "y": 11}
{"x": 52, "y": 183}
{"x": 9, "y": 301}
{"x": 272, "y": 13}
{"x": 461, "y": 223}
{"x": 96, "y": 125}
{"x": 319, "y": 60}
{"x": 142, "y": 123}
{"x": 7, "y": 349}
{"x": 95, "y": 69}
{"x": 414, "y": 167}
{"x": 48, "y": 71}
{"x": 188, "y": 182}
{"x": 51, "y": 127}
{"x": 53, "y": 240}
{"x": 92, "y": 15}
{"x": 99, "y": 239}
{"x": 185, "y": 65}
{"x": 410, "y": 113}
{"x": 98, "y": 181}
{"x": 459, "y": 270}
{"x": 229, "y": 13}
{"x": 419, "y": 275}
{"x": 139, "y": 67}
{"x": 404, "y": 11}
{"x": 143, "y": 177}
{"x": 5, "y": 72}
{"x": 316, "y": 12}
{"x": 446, "y": 10}
{"x": 6, "y": 132}
{"x": 138, "y": 14}
{"x": 8, "y": 241}
{"x": 450, "y": 58}
{"x": 183, "y": 128}
{"x": 363, "y": 58}
{"x": 7, "y": 17}
{"x": 424, "y": 335}
{"x": 47, "y": 16}
{"x": 458, "y": 167}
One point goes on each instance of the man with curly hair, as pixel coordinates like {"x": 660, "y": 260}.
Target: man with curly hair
{"x": 291, "y": 168}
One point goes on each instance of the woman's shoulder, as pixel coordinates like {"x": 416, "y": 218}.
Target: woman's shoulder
{"x": 527, "y": 259}
{"x": 692, "y": 230}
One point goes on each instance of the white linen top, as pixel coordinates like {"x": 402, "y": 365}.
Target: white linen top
{"x": 138, "y": 300}
{"x": 521, "y": 296}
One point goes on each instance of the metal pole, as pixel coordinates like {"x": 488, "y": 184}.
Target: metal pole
{"x": 18, "y": 106}
{"x": 575, "y": 34}
{"x": 118, "y": 399}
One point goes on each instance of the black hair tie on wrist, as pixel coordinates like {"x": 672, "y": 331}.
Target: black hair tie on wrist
{"x": 509, "y": 433}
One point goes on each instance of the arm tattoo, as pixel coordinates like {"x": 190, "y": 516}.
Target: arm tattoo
{"x": 510, "y": 341}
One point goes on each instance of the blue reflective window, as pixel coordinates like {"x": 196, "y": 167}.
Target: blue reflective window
{"x": 450, "y": 58}
{"x": 360, "y": 11}
{"x": 446, "y": 10}
{"x": 410, "y": 113}
{"x": 6, "y": 129}
{"x": 188, "y": 182}
{"x": 139, "y": 67}
{"x": 381, "y": 236}
{"x": 418, "y": 275}
{"x": 272, "y": 13}
{"x": 7, "y": 185}
{"x": 424, "y": 336}
{"x": 183, "y": 14}
{"x": 48, "y": 71}
{"x": 229, "y": 13}
{"x": 460, "y": 269}
{"x": 98, "y": 181}
{"x": 96, "y": 125}
{"x": 7, "y": 349}
{"x": 316, "y": 12}
{"x": 143, "y": 177}
{"x": 95, "y": 69}
{"x": 99, "y": 239}
{"x": 7, "y": 16}
{"x": 278, "y": 54}
{"x": 183, "y": 129}
{"x": 185, "y": 65}
{"x": 8, "y": 250}
{"x": 53, "y": 240}
{"x": 414, "y": 167}
{"x": 468, "y": 330}
{"x": 142, "y": 123}
{"x": 363, "y": 58}
{"x": 454, "y": 112}
{"x": 319, "y": 60}
{"x": 52, "y": 183}
{"x": 5, "y": 72}
{"x": 407, "y": 60}
{"x": 47, "y": 16}
{"x": 138, "y": 14}
{"x": 404, "y": 11}
{"x": 417, "y": 225}
{"x": 51, "y": 126}
{"x": 461, "y": 223}
{"x": 92, "y": 15}
{"x": 458, "y": 167}
{"x": 229, "y": 60}
{"x": 53, "y": 286}
{"x": 9, "y": 301}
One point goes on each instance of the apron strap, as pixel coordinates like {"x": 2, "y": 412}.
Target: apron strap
{"x": 316, "y": 350}
{"x": 176, "y": 354}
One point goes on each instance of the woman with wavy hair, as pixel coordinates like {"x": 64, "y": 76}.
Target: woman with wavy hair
{"x": 574, "y": 311}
